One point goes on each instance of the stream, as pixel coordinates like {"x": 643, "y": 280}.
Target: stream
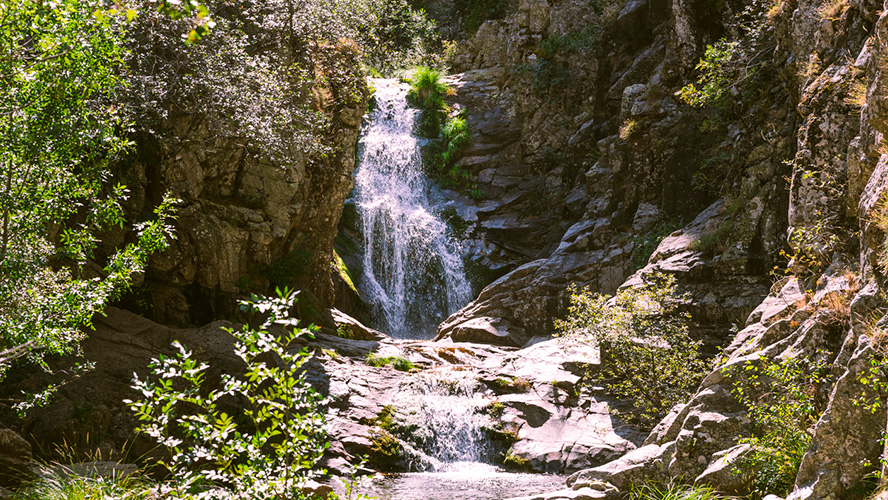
{"x": 464, "y": 481}
{"x": 413, "y": 278}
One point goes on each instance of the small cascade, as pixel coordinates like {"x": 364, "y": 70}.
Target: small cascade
{"x": 413, "y": 274}
{"x": 448, "y": 420}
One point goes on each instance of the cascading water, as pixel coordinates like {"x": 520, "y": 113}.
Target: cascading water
{"x": 413, "y": 274}
{"x": 448, "y": 416}
{"x": 413, "y": 277}
{"x": 444, "y": 414}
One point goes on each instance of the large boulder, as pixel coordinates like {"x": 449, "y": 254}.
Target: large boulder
{"x": 16, "y": 463}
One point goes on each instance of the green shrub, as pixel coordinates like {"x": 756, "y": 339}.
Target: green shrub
{"x": 514, "y": 462}
{"x": 427, "y": 93}
{"x": 733, "y": 72}
{"x": 386, "y": 451}
{"x": 402, "y": 364}
{"x": 475, "y": 12}
{"x": 63, "y": 127}
{"x": 782, "y": 401}
{"x": 429, "y": 125}
{"x": 426, "y": 89}
{"x": 548, "y": 72}
{"x": 646, "y": 353}
{"x": 648, "y": 243}
{"x": 714, "y": 242}
{"x": 495, "y": 409}
{"x": 456, "y": 133}
{"x": 717, "y": 75}
{"x": 713, "y": 174}
{"x": 56, "y": 483}
{"x": 284, "y": 271}
{"x": 515, "y": 385}
{"x": 270, "y": 449}
{"x": 394, "y": 35}
{"x": 455, "y": 137}
{"x": 576, "y": 41}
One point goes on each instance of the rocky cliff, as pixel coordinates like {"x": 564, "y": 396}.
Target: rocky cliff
{"x": 594, "y": 167}
{"x": 766, "y": 202}
{"x": 248, "y": 221}
{"x": 588, "y": 160}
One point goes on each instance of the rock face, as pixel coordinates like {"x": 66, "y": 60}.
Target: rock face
{"x": 588, "y": 161}
{"x": 794, "y": 162}
{"x": 247, "y": 223}
{"x": 16, "y": 466}
{"x": 530, "y": 397}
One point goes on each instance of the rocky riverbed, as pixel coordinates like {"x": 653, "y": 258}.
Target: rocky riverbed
{"x": 518, "y": 408}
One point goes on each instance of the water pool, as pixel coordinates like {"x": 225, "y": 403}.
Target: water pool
{"x": 462, "y": 481}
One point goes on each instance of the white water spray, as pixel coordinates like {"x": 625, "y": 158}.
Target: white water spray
{"x": 413, "y": 273}
{"x": 448, "y": 418}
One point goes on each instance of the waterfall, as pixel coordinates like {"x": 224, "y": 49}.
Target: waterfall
{"x": 413, "y": 274}
{"x": 447, "y": 420}
{"x": 448, "y": 411}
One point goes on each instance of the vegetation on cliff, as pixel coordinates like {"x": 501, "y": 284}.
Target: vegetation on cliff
{"x": 78, "y": 78}
{"x": 647, "y": 355}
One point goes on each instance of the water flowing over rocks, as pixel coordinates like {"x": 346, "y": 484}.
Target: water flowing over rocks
{"x": 412, "y": 274}
{"x": 462, "y": 402}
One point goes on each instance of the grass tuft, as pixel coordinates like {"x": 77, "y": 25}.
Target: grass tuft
{"x": 674, "y": 491}
{"x": 427, "y": 90}
{"x": 398, "y": 363}
{"x": 60, "y": 483}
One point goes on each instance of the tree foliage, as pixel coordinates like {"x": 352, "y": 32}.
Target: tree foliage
{"x": 397, "y": 36}
{"x": 732, "y": 70}
{"x": 267, "y": 453}
{"x": 256, "y": 74}
{"x": 781, "y": 398}
{"x": 61, "y": 125}
{"x": 249, "y": 77}
{"x": 647, "y": 355}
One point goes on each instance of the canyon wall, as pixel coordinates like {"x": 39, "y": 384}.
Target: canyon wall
{"x": 248, "y": 221}
{"x": 763, "y": 203}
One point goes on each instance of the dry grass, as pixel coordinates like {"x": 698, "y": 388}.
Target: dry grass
{"x": 877, "y": 333}
{"x": 837, "y": 308}
{"x": 521, "y": 385}
{"x": 856, "y": 97}
{"x": 879, "y": 336}
{"x": 832, "y": 9}
{"x": 628, "y": 129}
{"x": 882, "y": 148}
{"x": 879, "y": 218}
{"x": 775, "y": 10}
{"x": 810, "y": 69}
